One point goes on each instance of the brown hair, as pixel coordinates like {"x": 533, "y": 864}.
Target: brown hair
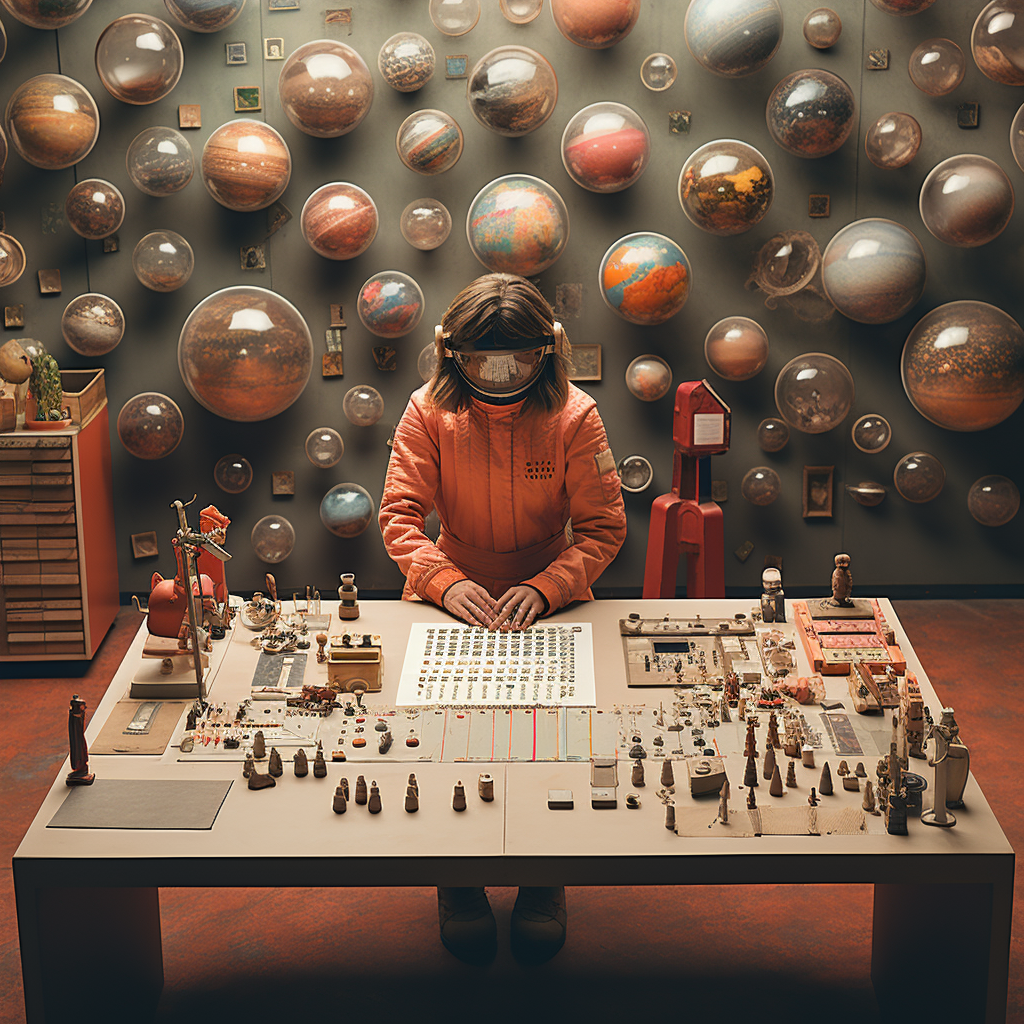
{"x": 515, "y": 308}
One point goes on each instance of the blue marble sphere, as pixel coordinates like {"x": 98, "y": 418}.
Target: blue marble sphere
{"x": 390, "y": 304}
{"x": 733, "y": 38}
{"x": 645, "y": 278}
{"x": 204, "y": 15}
{"x": 874, "y": 270}
{"x": 346, "y": 510}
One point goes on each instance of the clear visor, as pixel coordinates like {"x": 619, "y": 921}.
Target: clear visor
{"x": 501, "y": 371}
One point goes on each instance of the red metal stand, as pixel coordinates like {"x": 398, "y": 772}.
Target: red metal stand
{"x": 686, "y": 521}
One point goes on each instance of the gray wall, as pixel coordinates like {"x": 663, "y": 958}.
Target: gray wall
{"x": 897, "y": 543}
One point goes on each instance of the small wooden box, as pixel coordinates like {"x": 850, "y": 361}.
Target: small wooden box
{"x": 85, "y": 393}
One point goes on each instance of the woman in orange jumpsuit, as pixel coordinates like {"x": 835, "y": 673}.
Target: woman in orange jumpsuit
{"x": 516, "y": 462}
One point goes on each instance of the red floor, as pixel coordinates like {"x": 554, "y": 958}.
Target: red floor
{"x": 764, "y": 953}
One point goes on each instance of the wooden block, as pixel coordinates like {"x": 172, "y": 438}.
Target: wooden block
{"x": 65, "y": 635}
{"x": 85, "y": 393}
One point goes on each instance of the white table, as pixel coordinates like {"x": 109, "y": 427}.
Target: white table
{"x": 96, "y": 891}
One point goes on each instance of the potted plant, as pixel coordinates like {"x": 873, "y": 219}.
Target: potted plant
{"x": 44, "y": 387}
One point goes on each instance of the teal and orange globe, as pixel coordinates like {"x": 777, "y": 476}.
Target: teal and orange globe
{"x": 645, "y": 278}
{"x": 517, "y": 224}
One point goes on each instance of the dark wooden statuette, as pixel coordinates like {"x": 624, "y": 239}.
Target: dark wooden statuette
{"x": 79, "y": 774}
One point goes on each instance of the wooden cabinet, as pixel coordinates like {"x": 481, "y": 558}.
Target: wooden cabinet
{"x": 58, "y": 559}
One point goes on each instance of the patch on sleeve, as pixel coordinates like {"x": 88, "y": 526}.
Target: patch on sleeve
{"x": 605, "y": 461}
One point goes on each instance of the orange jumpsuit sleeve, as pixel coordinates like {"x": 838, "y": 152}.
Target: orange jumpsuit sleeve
{"x": 412, "y": 481}
{"x": 597, "y": 513}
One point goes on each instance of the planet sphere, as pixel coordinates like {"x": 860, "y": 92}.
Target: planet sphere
{"x": 160, "y": 161}
{"x": 139, "y": 59}
{"x": 903, "y": 8}
{"x": 993, "y": 500}
{"x": 761, "y": 485}
{"x": 772, "y": 435}
{"x": 390, "y": 304}
{"x": 92, "y": 324}
{"x": 425, "y": 223}
{"x": 324, "y": 447}
{"x": 963, "y": 366}
{"x": 736, "y": 348}
{"x": 811, "y": 113}
{"x": 605, "y": 147}
{"x": 873, "y": 270}
{"x": 246, "y": 165}
{"x": 46, "y": 14}
{"x": 733, "y": 38}
{"x": 871, "y": 433}
{"x": 997, "y": 41}
{"x": 52, "y": 122}
{"x": 595, "y": 24}
{"x": 163, "y": 261}
{"x": 347, "y": 510}
{"x": 325, "y": 88}
{"x": 966, "y": 200}
{"x": 232, "y": 474}
{"x": 272, "y": 539}
{"x": 512, "y": 90}
{"x": 204, "y": 15}
{"x": 517, "y": 224}
{"x": 814, "y": 392}
{"x": 150, "y": 425}
{"x": 726, "y": 187}
{"x": 429, "y": 142}
{"x": 406, "y": 61}
{"x": 645, "y": 278}
{"x": 822, "y": 28}
{"x": 893, "y": 140}
{"x": 94, "y": 208}
{"x": 339, "y": 221}
{"x": 919, "y": 477}
{"x": 648, "y": 378}
{"x": 937, "y": 66}
{"x": 245, "y": 353}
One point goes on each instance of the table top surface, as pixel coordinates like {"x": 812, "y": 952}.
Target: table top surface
{"x": 293, "y": 823}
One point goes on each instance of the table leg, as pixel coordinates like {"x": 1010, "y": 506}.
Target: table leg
{"x": 964, "y": 967}
{"x": 89, "y": 953}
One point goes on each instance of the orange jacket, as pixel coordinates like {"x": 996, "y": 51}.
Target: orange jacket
{"x": 506, "y": 487}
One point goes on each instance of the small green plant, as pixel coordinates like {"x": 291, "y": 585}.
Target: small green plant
{"x": 45, "y": 387}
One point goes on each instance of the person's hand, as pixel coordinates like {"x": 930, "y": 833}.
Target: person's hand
{"x": 518, "y": 607}
{"x": 469, "y": 601}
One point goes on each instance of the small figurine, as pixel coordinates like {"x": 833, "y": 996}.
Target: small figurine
{"x": 860, "y": 770}
{"x": 769, "y": 762}
{"x": 751, "y": 800}
{"x": 807, "y": 755}
{"x": 670, "y": 817}
{"x": 750, "y": 744}
{"x": 750, "y": 772}
{"x": 773, "y": 731}
{"x": 791, "y": 775}
{"x": 249, "y": 767}
{"x": 348, "y": 594}
{"x": 843, "y": 770}
{"x": 775, "y": 789}
{"x": 321, "y": 645}
{"x": 259, "y": 746}
{"x": 485, "y": 787}
{"x": 79, "y": 774}
{"x": 344, "y": 786}
{"x": 459, "y": 797}
{"x": 319, "y": 764}
{"x": 258, "y": 781}
{"x": 668, "y": 778}
{"x": 360, "y": 790}
{"x": 842, "y": 583}
{"x": 723, "y": 804}
{"x": 636, "y": 775}
{"x": 773, "y": 600}
{"x": 373, "y": 804}
{"x": 275, "y": 767}
{"x": 813, "y": 799}
{"x": 825, "y": 782}
{"x": 940, "y": 737}
{"x": 339, "y": 804}
{"x": 868, "y": 803}
{"x": 301, "y": 763}
{"x": 412, "y": 799}
{"x": 413, "y": 782}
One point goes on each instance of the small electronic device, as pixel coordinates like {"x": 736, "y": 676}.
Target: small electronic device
{"x": 355, "y": 661}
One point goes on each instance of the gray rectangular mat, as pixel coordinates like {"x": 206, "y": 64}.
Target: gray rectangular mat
{"x": 143, "y": 804}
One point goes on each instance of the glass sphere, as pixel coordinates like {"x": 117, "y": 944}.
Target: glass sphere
{"x": 903, "y": 8}
{"x": 761, "y": 485}
{"x": 363, "y": 405}
{"x": 871, "y": 433}
{"x": 635, "y": 473}
{"x": 139, "y": 59}
{"x": 1017, "y": 137}
{"x": 426, "y": 364}
{"x": 346, "y": 510}
{"x": 150, "y": 425}
{"x": 425, "y": 223}
{"x": 658, "y": 72}
{"x": 966, "y": 200}
{"x": 92, "y": 324}
{"x": 772, "y": 435}
{"x": 324, "y": 447}
{"x": 814, "y": 392}
{"x": 245, "y": 353}
{"x": 520, "y": 12}
{"x": 645, "y": 278}
{"x": 733, "y": 38}
{"x": 454, "y": 17}
{"x": 429, "y": 141}
{"x": 786, "y": 263}
{"x": 893, "y": 140}
{"x": 204, "y": 15}
{"x": 811, "y": 113}
{"x": 160, "y": 161}
{"x": 997, "y": 41}
{"x": 406, "y": 61}
{"x": 822, "y": 28}
{"x": 272, "y": 539}
{"x": 736, "y": 348}
{"x": 246, "y": 165}
{"x": 12, "y": 259}
{"x": 94, "y": 208}
{"x": 232, "y": 473}
{"x": 726, "y": 187}
{"x": 595, "y": 24}
{"x": 339, "y": 221}
{"x": 163, "y": 261}
{"x": 993, "y": 500}
{"x": 517, "y": 224}
{"x": 873, "y": 270}
{"x": 390, "y": 304}
{"x": 867, "y": 493}
{"x": 963, "y": 366}
{"x": 937, "y": 66}
{"x": 325, "y": 88}
{"x": 46, "y": 14}
{"x": 919, "y": 477}
{"x": 648, "y": 378}
{"x": 512, "y": 90}
{"x": 52, "y": 122}
{"x": 605, "y": 147}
